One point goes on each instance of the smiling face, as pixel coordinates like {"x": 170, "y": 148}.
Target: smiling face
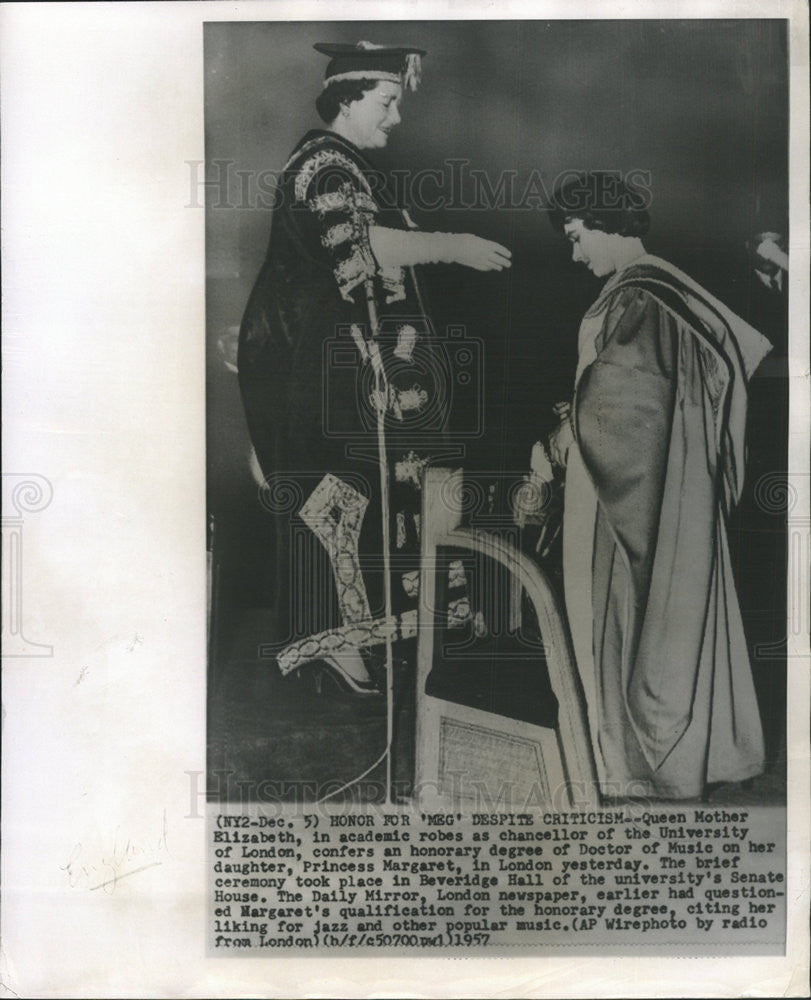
{"x": 369, "y": 120}
{"x": 592, "y": 247}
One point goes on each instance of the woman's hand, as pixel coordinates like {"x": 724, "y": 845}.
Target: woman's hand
{"x": 402, "y": 248}
{"x": 562, "y": 437}
{"x": 481, "y": 255}
{"x": 560, "y": 440}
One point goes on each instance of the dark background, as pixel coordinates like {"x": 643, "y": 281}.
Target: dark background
{"x": 700, "y": 105}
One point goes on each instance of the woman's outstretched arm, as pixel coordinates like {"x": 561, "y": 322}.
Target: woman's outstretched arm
{"x": 402, "y": 248}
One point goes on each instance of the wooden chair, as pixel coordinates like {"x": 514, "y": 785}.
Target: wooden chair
{"x": 500, "y": 721}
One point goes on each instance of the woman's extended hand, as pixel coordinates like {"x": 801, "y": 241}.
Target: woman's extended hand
{"x": 481, "y": 255}
{"x": 402, "y": 248}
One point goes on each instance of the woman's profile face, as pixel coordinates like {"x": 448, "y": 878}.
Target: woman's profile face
{"x": 592, "y": 247}
{"x": 369, "y": 121}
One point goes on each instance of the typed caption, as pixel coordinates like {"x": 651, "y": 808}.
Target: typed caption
{"x": 668, "y": 880}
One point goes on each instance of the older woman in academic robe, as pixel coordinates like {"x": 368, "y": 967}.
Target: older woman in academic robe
{"x": 337, "y": 330}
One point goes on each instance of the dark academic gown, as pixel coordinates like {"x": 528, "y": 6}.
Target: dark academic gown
{"x": 322, "y": 322}
{"x": 659, "y": 417}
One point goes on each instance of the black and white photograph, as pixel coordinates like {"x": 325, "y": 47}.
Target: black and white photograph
{"x": 497, "y": 431}
{"x": 405, "y": 557}
{"x": 497, "y": 402}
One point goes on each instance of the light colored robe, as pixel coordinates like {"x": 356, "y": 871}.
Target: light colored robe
{"x": 659, "y": 414}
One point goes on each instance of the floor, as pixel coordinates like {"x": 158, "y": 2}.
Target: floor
{"x": 274, "y": 738}
{"x": 280, "y": 738}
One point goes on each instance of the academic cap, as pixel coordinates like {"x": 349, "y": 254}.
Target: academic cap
{"x": 366, "y": 61}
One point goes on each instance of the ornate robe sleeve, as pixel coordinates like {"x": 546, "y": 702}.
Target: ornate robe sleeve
{"x": 337, "y": 202}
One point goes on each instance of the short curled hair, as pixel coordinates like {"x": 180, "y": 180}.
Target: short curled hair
{"x": 602, "y": 200}
{"x": 329, "y": 101}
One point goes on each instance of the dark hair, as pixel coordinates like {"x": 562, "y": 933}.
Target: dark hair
{"x": 329, "y": 101}
{"x": 602, "y": 200}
